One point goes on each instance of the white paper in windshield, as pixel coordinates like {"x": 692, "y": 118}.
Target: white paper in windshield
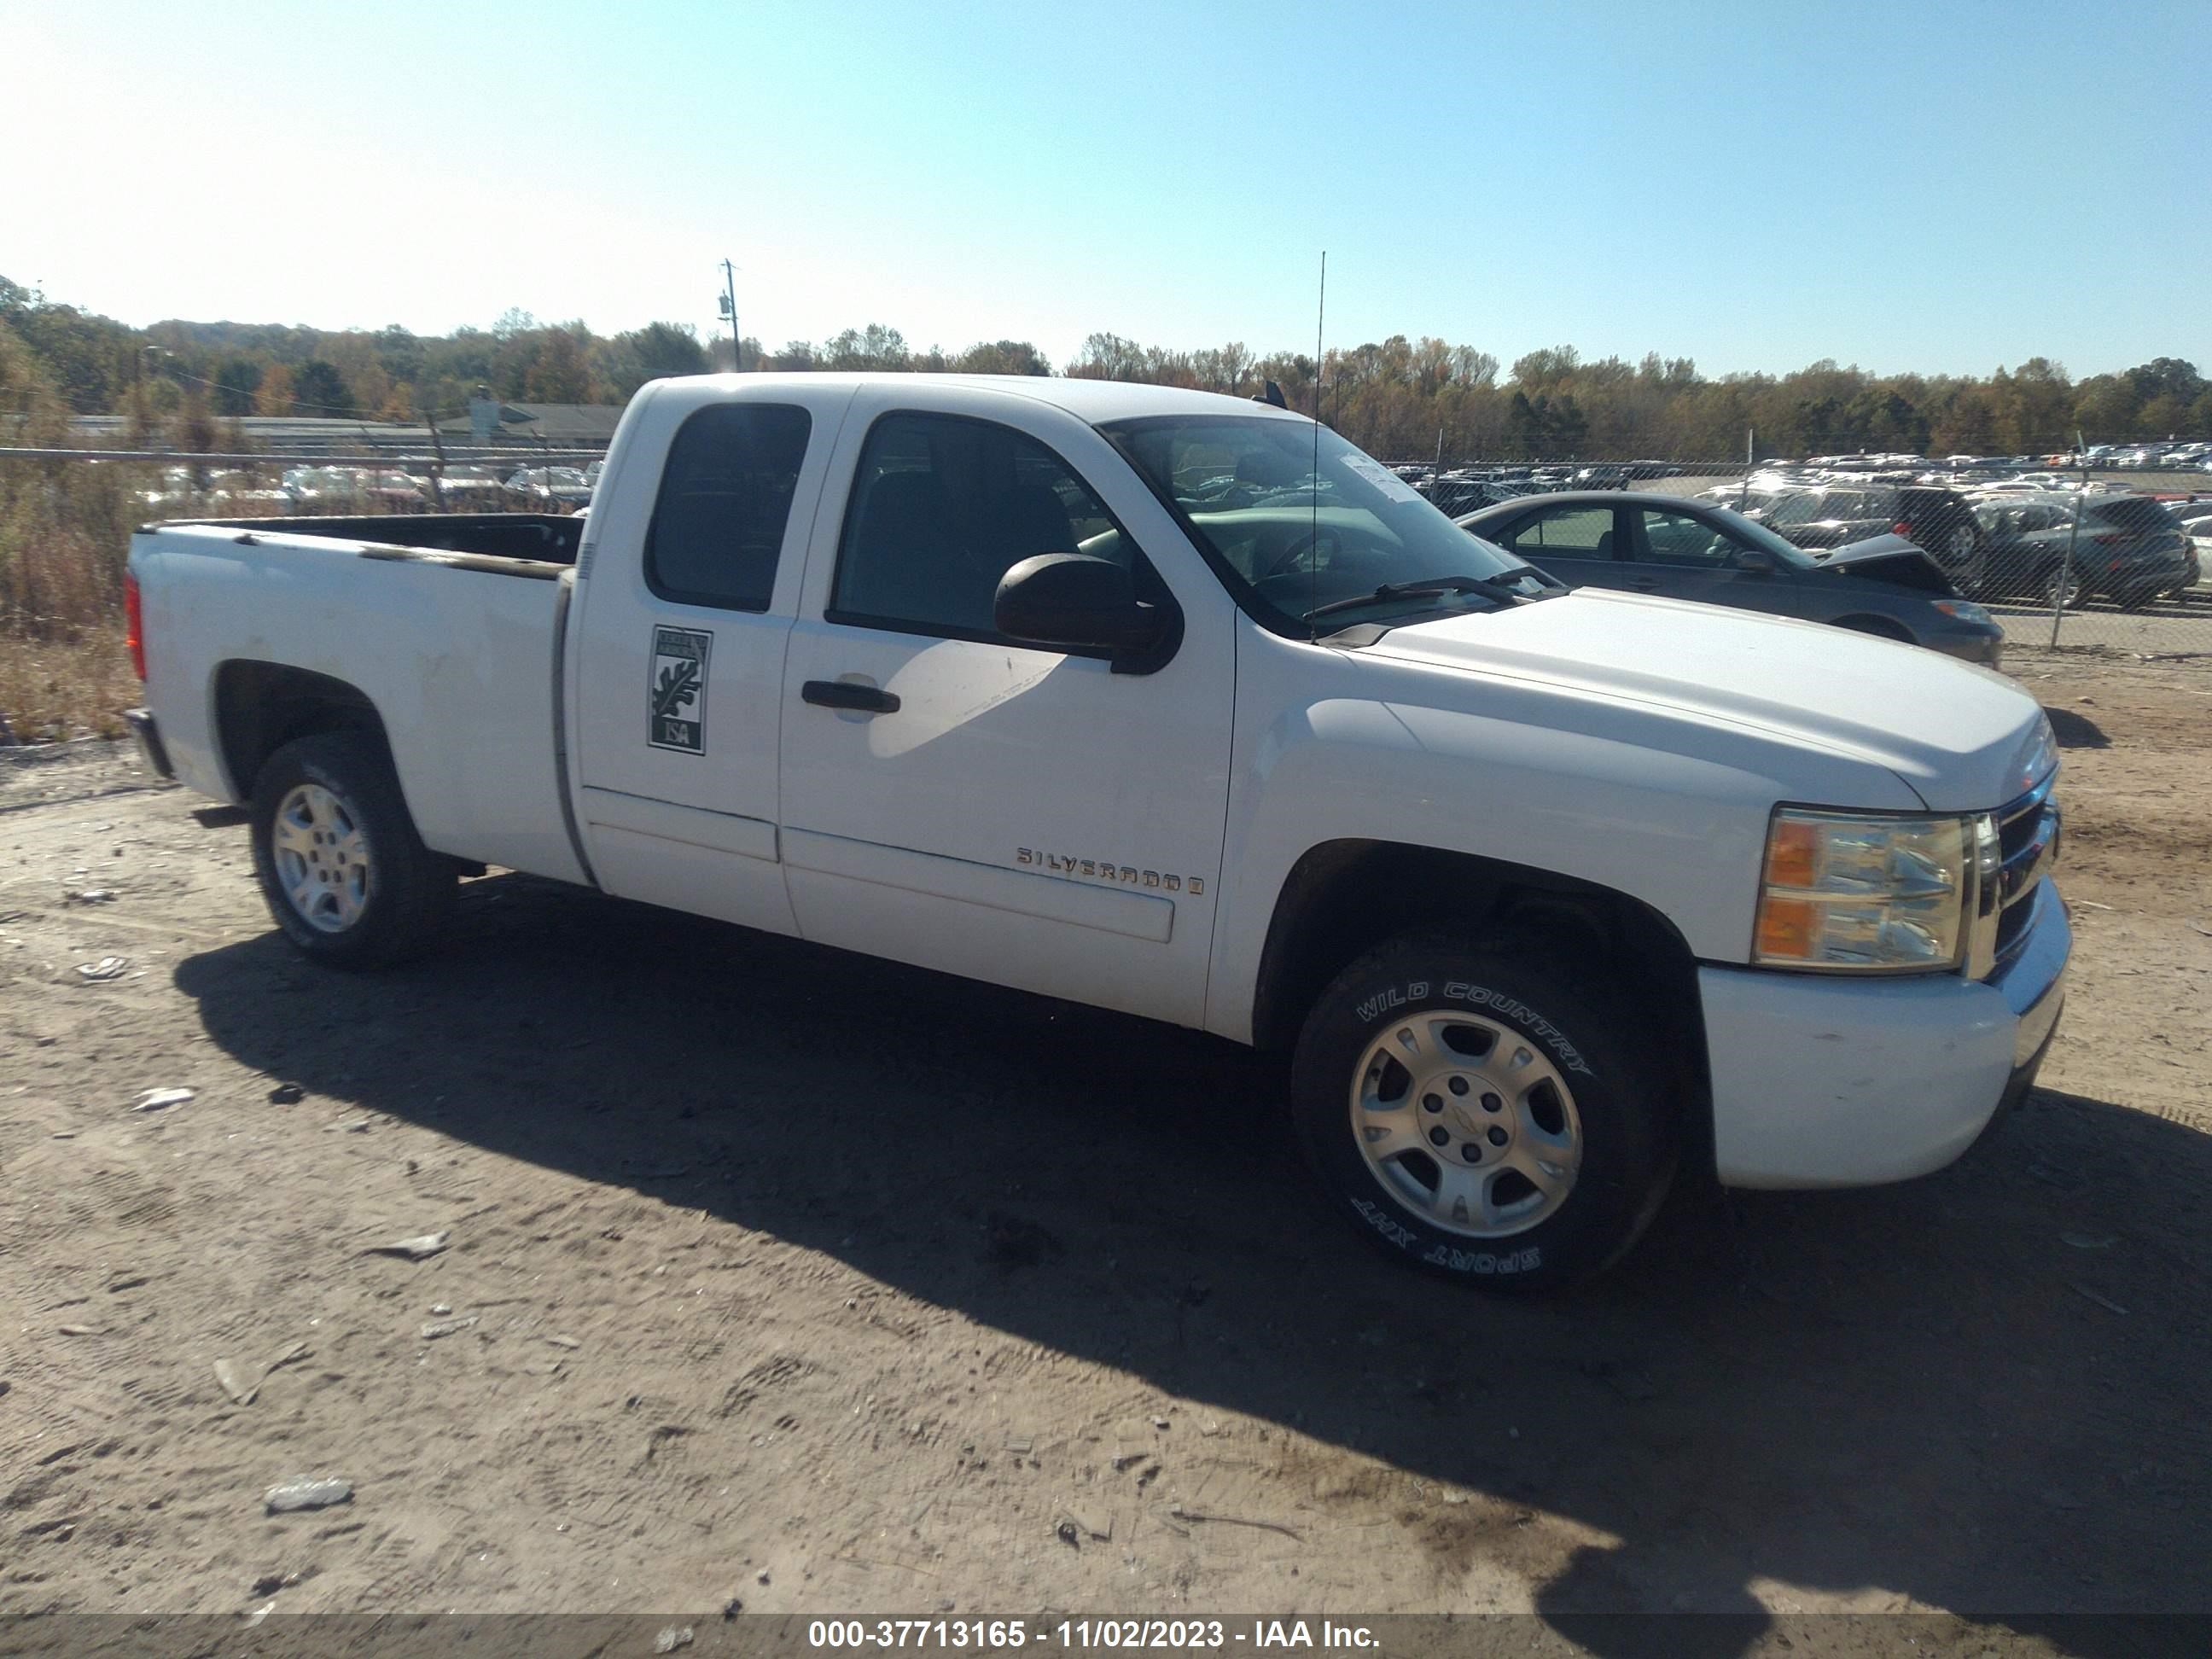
{"x": 1393, "y": 487}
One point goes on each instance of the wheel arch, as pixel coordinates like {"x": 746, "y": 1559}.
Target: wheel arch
{"x": 1342, "y": 898}
{"x": 259, "y": 707}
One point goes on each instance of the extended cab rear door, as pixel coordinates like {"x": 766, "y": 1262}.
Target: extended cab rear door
{"x": 953, "y": 799}
{"x": 688, "y": 582}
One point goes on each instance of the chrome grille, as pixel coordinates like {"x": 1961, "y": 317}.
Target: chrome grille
{"x": 2029, "y": 832}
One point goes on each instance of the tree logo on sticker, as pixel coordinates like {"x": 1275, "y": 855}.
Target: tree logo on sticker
{"x": 678, "y": 690}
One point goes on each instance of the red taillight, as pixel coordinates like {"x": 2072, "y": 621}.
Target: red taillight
{"x": 134, "y": 625}
{"x": 1901, "y": 528}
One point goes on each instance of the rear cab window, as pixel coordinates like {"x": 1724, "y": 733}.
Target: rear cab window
{"x": 718, "y": 522}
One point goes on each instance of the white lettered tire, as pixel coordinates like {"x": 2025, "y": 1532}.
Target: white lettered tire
{"x": 1480, "y": 1112}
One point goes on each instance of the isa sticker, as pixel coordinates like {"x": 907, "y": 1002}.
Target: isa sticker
{"x": 678, "y": 690}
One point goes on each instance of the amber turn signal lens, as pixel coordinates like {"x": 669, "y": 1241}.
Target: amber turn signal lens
{"x": 1787, "y": 928}
{"x": 1792, "y": 859}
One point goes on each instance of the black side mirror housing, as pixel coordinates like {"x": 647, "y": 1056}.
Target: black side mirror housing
{"x": 1074, "y": 601}
{"x": 1756, "y": 559}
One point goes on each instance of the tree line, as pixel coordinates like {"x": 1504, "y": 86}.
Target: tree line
{"x": 1398, "y": 397}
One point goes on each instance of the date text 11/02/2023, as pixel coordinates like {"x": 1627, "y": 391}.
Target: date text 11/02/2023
{"x": 1083, "y": 1634}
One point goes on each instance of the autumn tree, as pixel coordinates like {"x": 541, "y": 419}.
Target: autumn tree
{"x": 318, "y": 388}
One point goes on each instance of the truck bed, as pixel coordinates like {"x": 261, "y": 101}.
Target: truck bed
{"x": 461, "y": 672}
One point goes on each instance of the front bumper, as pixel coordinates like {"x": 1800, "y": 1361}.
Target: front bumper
{"x": 151, "y": 747}
{"x": 1825, "y": 1081}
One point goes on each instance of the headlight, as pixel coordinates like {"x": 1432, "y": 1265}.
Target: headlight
{"x": 1851, "y": 891}
{"x": 1965, "y": 610}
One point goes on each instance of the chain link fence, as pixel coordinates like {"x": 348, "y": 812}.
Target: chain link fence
{"x": 2109, "y": 549}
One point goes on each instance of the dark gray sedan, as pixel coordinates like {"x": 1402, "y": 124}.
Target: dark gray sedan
{"x": 1691, "y": 550}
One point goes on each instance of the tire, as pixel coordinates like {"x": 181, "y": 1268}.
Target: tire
{"x": 1600, "y": 1113}
{"x": 2051, "y": 579}
{"x": 371, "y": 893}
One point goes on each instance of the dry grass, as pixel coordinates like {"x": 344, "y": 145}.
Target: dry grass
{"x": 50, "y": 689}
{"x": 64, "y": 533}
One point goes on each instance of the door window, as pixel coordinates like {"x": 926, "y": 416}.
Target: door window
{"x": 717, "y": 526}
{"x": 1677, "y": 538}
{"x": 1573, "y": 533}
{"x": 942, "y": 507}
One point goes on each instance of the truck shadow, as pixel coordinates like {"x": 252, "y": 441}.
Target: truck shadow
{"x": 1978, "y": 1391}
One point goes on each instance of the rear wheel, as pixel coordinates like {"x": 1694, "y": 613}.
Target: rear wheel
{"x": 2058, "y": 588}
{"x": 1469, "y": 1111}
{"x": 341, "y": 867}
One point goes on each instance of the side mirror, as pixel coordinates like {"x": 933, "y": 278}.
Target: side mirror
{"x": 1756, "y": 559}
{"x": 1072, "y": 600}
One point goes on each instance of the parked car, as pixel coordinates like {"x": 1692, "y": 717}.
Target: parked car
{"x": 1939, "y": 519}
{"x": 1457, "y": 492}
{"x": 1693, "y": 550}
{"x": 239, "y": 494}
{"x": 1542, "y": 894}
{"x": 549, "y": 488}
{"x": 325, "y": 491}
{"x": 394, "y": 492}
{"x": 2129, "y": 549}
{"x": 471, "y": 490}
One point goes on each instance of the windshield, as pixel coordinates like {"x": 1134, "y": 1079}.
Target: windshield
{"x": 1290, "y": 536}
{"x": 1757, "y": 535}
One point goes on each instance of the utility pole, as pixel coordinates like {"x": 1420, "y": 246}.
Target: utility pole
{"x": 729, "y": 311}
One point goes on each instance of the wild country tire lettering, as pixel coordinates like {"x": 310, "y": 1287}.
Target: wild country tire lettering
{"x": 1458, "y": 1260}
{"x": 1396, "y": 997}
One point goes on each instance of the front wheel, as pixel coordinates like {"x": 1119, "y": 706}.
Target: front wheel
{"x": 1468, "y": 1111}
{"x": 340, "y": 865}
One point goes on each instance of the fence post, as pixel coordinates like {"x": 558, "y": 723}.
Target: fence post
{"x": 437, "y": 473}
{"x": 2073, "y": 536}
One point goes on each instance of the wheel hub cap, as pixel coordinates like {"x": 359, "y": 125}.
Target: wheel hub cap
{"x": 322, "y": 858}
{"x": 1465, "y": 1123}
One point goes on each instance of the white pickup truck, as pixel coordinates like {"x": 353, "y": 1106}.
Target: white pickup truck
{"x": 1180, "y": 705}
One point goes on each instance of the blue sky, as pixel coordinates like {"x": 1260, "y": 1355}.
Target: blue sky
{"x": 1936, "y": 186}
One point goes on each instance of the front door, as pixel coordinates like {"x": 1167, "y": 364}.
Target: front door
{"x": 954, "y": 799}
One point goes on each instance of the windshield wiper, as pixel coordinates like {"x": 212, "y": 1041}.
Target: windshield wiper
{"x": 1427, "y": 587}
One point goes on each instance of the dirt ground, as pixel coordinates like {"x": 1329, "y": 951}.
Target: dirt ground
{"x": 833, "y": 1286}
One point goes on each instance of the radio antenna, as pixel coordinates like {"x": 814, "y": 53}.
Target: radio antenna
{"x": 1313, "y": 533}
